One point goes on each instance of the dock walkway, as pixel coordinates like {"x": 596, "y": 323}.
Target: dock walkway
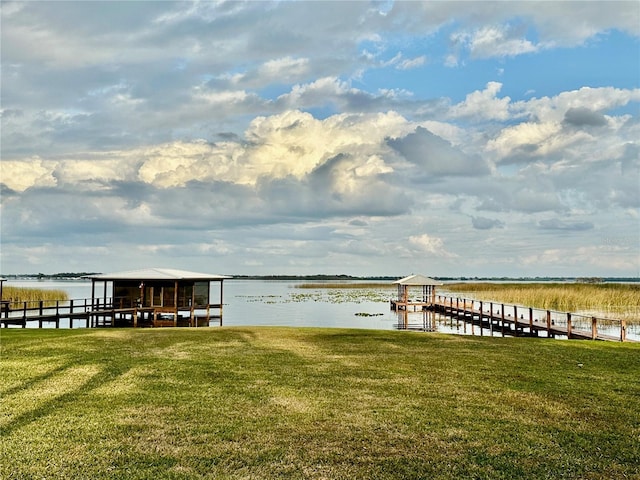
{"x": 517, "y": 320}
{"x": 96, "y": 314}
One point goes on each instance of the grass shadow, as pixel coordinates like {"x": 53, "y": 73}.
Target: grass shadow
{"x": 49, "y": 407}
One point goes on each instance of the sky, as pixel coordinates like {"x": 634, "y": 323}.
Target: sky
{"x": 296, "y": 137}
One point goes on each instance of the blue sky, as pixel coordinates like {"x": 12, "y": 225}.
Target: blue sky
{"x": 364, "y": 138}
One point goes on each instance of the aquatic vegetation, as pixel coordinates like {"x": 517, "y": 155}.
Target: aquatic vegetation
{"x": 620, "y": 299}
{"x": 22, "y": 294}
{"x": 347, "y": 292}
{"x": 351, "y": 285}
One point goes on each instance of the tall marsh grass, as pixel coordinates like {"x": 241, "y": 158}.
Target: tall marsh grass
{"x": 32, "y": 295}
{"x": 614, "y": 298}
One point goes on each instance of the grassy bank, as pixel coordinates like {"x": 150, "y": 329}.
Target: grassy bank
{"x": 314, "y": 403}
{"x": 22, "y": 294}
{"x": 615, "y": 298}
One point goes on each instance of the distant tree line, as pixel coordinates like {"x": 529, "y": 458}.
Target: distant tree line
{"x": 51, "y": 276}
{"x": 321, "y": 277}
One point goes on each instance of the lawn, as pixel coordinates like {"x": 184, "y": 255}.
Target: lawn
{"x": 260, "y": 403}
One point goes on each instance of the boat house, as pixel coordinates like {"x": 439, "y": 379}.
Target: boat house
{"x": 158, "y": 297}
{"x": 415, "y": 291}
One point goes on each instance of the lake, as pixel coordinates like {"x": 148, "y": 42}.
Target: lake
{"x": 284, "y": 303}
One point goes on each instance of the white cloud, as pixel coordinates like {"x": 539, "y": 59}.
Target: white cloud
{"x": 431, "y": 245}
{"x": 20, "y": 175}
{"x": 334, "y": 125}
{"x": 497, "y": 41}
{"x": 595, "y": 99}
{"x": 410, "y": 63}
{"x": 317, "y": 92}
{"x": 549, "y": 134}
{"x": 484, "y": 104}
{"x": 283, "y": 69}
{"x": 290, "y": 144}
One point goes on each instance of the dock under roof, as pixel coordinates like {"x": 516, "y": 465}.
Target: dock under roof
{"x": 173, "y": 297}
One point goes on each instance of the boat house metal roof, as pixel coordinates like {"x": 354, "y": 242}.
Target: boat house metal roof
{"x": 157, "y": 274}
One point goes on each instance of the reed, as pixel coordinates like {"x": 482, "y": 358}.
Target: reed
{"x": 30, "y": 295}
{"x": 619, "y": 299}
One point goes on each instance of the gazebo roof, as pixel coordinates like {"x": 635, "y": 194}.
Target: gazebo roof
{"x": 417, "y": 280}
{"x": 156, "y": 274}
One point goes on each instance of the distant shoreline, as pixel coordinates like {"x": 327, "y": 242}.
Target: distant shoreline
{"x": 318, "y": 277}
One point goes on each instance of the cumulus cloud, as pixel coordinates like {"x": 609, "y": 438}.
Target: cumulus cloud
{"x": 430, "y": 245}
{"x": 435, "y": 157}
{"x": 484, "y": 104}
{"x": 495, "y": 41}
{"x": 253, "y": 129}
{"x": 561, "y": 124}
{"x": 290, "y": 144}
{"x": 583, "y": 116}
{"x": 19, "y": 176}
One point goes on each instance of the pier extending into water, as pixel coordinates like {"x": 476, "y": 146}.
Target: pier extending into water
{"x": 96, "y": 312}
{"x": 516, "y": 320}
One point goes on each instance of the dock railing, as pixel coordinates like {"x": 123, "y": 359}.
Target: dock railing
{"x": 99, "y": 312}
{"x": 522, "y": 319}
{"x": 52, "y": 311}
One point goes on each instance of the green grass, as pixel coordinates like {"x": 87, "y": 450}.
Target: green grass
{"x": 260, "y": 403}
{"x": 619, "y": 300}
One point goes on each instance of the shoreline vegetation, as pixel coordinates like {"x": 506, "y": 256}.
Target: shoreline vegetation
{"x": 614, "y": 298}
{"x": 314, "y": 403}
{"x": 24, "y": 294}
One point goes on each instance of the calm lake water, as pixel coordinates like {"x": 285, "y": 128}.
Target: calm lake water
{"x": 283, "y": 303}
{"x": 258, "y": 302}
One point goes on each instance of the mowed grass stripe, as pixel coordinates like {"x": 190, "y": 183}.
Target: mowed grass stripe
{"x": 315, "y": 403}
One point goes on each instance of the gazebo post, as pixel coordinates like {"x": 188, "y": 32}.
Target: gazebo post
{"x": 93, "y": 298}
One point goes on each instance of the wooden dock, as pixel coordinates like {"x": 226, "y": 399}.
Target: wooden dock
{"x": 516, "y": 320}
{"x": 96, "y": 314}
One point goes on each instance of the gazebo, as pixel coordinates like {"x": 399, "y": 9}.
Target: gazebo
{"x": 408, "y": 286}
{"x": 169, "y": 297}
